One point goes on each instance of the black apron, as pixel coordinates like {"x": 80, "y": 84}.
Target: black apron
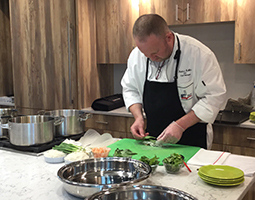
{"x": 162, "y": 106}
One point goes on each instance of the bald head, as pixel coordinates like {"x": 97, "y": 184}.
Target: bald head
{"x": 149, "y": 24}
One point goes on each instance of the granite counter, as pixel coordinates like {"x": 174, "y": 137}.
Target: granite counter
{"x": 26, "y": 177}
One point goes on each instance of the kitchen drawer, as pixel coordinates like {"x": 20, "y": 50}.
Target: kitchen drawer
{"x": 236, "y": 136}
{"x": 243, "y": 137}
{"x": 233, "y": 139}
{"x": 106, "y": 122}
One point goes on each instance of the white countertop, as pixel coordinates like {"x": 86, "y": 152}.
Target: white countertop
{"x": 122, "y": 112}
{"x": 26, "y": 177}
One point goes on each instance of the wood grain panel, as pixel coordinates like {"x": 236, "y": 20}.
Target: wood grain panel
{"x": 205, "y": 11}
{"x": 88, "y": 76}
{"x": 115, "y": 21}
{"x": 165, "y": 8}
{"x": 6, "y": 82}
{"x": 43, "y": 37}
{"x": 244, "y": 32}
{"x": 105, "y": 122}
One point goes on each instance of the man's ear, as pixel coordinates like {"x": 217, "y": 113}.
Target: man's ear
{"x": 169, "y": 36}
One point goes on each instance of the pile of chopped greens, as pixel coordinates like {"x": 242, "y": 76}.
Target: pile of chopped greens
{"x": 150, "y": 141}
{"x": 174, "y": 159}
{"x": 152, "y": 161}
{"x": 123, "y": 153}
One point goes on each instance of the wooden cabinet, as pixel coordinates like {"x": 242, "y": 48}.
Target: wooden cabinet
{"x": 244, "y": 32}
{"x": 190, "y": 11}
{"x": 206, "y": 11}
{"x": 114, "y": 23}
{"x": 44, "y": 53}
{"x": 6, "y": 82}
{"x": 235, "y": 140}
{"x": 118, "y": 127}
{"x": 170, "y": 10}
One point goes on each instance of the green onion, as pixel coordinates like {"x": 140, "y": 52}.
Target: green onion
{"x": 67, "y": 148}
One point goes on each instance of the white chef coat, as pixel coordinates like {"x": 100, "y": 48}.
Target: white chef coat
{"x": 200, "y": 82}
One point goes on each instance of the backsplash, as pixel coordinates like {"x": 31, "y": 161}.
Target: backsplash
{"x": 219, "y": 37}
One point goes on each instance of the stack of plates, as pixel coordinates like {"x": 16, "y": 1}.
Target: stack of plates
{"x": 221, "y": 175}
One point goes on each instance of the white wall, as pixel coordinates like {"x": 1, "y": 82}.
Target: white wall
{"x": 219, "y": 37}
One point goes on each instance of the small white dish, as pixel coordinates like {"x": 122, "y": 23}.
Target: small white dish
{"x": 54, "y": 160}
{"x": 54, "y": 156}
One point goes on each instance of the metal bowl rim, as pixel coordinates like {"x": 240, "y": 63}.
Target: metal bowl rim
{"x": 146, "y": 187}
{"x": 122, "y": 159}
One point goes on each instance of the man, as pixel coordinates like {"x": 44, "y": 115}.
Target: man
{"x": 176, "y": 80}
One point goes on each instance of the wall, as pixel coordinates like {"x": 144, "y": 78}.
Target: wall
{"x": 219, "y": 37}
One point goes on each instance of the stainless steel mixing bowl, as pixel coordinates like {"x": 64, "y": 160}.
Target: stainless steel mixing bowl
{"x": 140, "y": 192}
{"x": 84, "y": 178}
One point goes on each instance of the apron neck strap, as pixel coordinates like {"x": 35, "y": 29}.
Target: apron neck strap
{"x": 176, "y": 56}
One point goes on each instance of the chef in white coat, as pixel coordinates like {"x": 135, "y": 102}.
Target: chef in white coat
{"x": 176, "y": 80}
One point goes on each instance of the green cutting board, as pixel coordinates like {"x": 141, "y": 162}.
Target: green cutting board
{"x": 149, "y": 151}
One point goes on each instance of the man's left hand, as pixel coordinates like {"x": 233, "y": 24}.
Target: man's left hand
{"x": 172, "y": 134}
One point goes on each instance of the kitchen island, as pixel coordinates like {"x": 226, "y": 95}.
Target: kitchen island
{"x": 25, "y": 177}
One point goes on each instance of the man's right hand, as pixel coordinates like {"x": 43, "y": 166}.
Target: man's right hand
{"x": 137, "y": 129}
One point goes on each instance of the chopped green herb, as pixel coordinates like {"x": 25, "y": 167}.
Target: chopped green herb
{"x": 174, "y": 159}
{"x": 123, "y": 153}
{"x": 152, "y": 161}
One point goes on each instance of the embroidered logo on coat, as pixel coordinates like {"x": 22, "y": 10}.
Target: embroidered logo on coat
{"x": 186, "y": 96}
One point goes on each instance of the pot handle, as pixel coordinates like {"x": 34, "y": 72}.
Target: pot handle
{"x": 5, "y": 126}
{"x": 85, "y": 116}
{"x": 41, "y": 112}
{"x": 59, "y": 120}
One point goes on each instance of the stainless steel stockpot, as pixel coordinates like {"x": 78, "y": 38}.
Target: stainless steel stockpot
{"x": 73, "y": 121}
{"x": 5, "y": 115}
{"x": 32, "y": 129}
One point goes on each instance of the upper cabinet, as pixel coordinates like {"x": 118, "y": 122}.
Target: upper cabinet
{"x": 44, "y": 53}
{"x": 245, "y": 32}
{"x": 115, "y": 19}
{"x": 114, "y": 23}
{"x": 190, "y": 11}
{"x": 170, "y": 10}
{"x": 6, "y": 83}
{"x": 206, "y": 11}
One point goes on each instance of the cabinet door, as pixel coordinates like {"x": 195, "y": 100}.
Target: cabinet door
{"x": 204, "y": 11}
{"x": 115, "y": 21}
{"x": 6, "y": 83}
{"x": 43, "y": 53}
{"x": 170, "y": 10}
{"x": 244, "y": 32}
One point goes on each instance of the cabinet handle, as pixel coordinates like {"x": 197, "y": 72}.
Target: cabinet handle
{"x": 176, "y": 12}
{"x": 69, "y": 63}
{"x": 250, "y": 138}
{"x": 102, "y": 122}
{"x": 239, "y": 51}
{"x": 187, "y": 11}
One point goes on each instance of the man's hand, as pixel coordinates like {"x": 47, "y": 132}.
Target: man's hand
{"x": 172, "y": 134}
{"x": 137, "y": 129}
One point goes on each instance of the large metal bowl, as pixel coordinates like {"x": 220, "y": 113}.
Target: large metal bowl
{"x": 84, "y": 178}
{"x": 140, "y": 192}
